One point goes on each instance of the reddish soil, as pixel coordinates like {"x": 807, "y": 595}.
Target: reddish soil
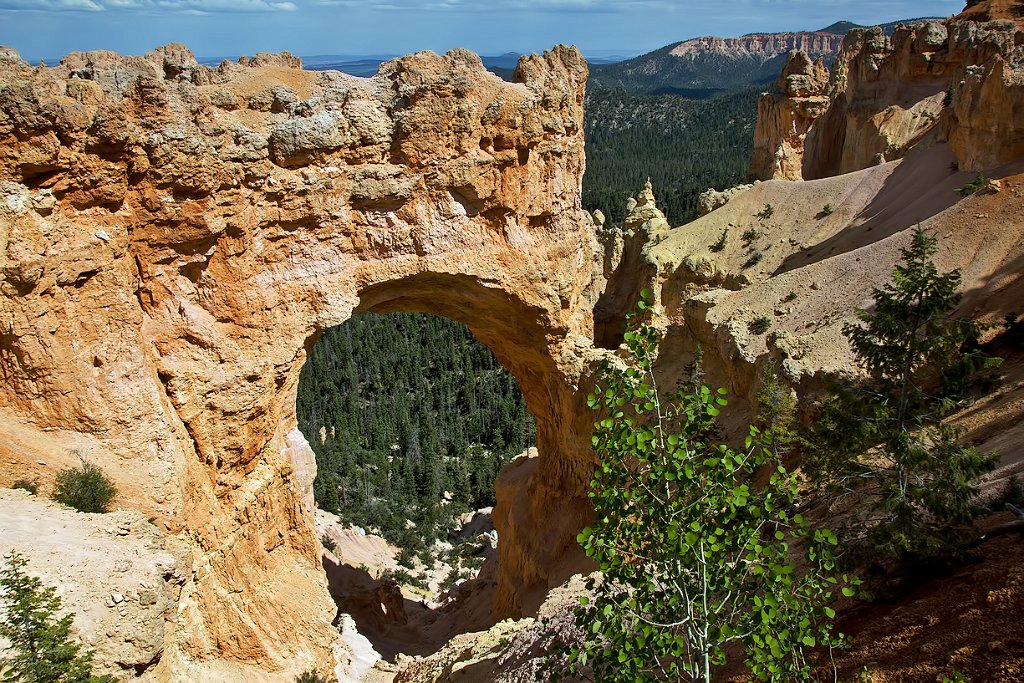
{"x": 971, "y": 621}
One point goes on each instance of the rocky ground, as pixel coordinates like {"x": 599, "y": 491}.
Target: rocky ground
{"x": 118, "y": 574}
{"x": 394, "y": 616}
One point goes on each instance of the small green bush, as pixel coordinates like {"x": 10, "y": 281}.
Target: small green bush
{"x": 722, "y": 239}
{"x": 827, "y": 210}
{"x": 311, "y": 676}
{"x": 328, "y": 543}
{"x": 979, "y": 183}
{"x": 85, "y": 488}
{"x": 789, "y": 297}
{"x": 767, "y": 212}
{"x": 406, "y": 557}
{"x": 754, "y": 259}
{"x": 749, "y": 236}
{"x": 403, "y": 577}
{"x": 760, "y": 324}
{"x": 26, "y": 485}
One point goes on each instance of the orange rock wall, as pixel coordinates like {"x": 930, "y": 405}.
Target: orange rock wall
{"x": 953, "y": 81}
{"x": 174, "y": 239}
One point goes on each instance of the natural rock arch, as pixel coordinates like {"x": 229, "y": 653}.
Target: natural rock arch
{"x": 176, "y": 239}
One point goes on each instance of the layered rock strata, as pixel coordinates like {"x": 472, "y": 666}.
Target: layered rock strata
{"x": 958, "y": 81}
{"x": 764, "y": 45}
{"x": 174, "y": 240}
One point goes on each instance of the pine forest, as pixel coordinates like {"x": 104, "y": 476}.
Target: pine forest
{"x": 411, "y": 419}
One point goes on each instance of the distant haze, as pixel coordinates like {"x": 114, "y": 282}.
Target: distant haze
{"x": 228, "y": 28}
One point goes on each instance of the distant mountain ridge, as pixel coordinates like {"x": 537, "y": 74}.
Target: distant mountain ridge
{"x": 709, "y": 65}
{"x": 844, "y": 27}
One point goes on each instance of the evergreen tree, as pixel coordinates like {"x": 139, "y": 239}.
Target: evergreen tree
{"x": 41, "y": 650}
{"x": 776, "y": 412}
{"x": 325, "y": 492}
{"x": 885, "y": 439}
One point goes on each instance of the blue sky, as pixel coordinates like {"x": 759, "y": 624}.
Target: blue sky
{"x": 51, "y": 28}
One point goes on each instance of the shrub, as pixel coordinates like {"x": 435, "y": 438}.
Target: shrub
{"x": 754, "y": 259}
{"x": 85, "y": 488}
{"x": 976, "y": 185}
{"x": 789, "y": 297}
{"x": 406, "y": 557}
{"x": 311, "y": 676}
{"x": 403, "y": 577}
{"x": 767, "y": 212}
{"x": 328, "y": 543}
{"x": 41, "y": 649}
{"x": 722, "y": 239}
{"x": 826, "y": 210}
{"x": 26, "y": 485}
{"x": 749, "y": 236}
{"x": 760, "y": 324}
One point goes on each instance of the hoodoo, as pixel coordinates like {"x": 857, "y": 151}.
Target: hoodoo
{"x": 958, "y": 81}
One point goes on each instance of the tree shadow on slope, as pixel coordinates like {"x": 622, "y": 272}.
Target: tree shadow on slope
{"x": 923, "y": 185}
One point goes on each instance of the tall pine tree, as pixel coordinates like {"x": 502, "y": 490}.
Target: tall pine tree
{"x": 885, "y": 439}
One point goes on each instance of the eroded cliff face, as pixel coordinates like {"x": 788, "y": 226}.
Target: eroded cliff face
{"x": 784, "y": 118}
{"x": 958, "y": 81}
{"x": 765, "y": 45}
{"x": 175, "y": 238}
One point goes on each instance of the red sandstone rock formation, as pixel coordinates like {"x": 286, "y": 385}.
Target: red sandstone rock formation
{"x": 784, "y": 117}
{"x": 952, "y": 81}
{"x": 175, "y": 238}
{"x": 767, "y": 45}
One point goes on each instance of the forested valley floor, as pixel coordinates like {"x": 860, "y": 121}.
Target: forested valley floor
{"x": 411, "y": 419}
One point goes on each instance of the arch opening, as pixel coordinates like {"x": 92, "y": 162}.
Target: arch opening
{"x": 410, "y": 418}
{"x": 409, "y": 445}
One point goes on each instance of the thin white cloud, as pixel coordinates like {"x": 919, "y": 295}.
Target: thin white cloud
{"x": 184, "y": 6}
{"x": 53, "y": 5}
{"x": 653, "y": 8}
